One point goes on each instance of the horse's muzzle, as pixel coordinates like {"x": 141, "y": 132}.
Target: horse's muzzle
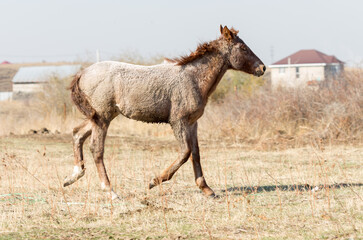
{"x": 260, "y": 70}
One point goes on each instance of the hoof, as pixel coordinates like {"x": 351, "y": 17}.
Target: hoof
{"x": 207, "y": 191}
{"x": 113, "y": 196}
{"x": 73, "y": 178}
{"x": 154, "y": 183}
{"x": 213, "y": 196}
{"x": 151, "y": 185}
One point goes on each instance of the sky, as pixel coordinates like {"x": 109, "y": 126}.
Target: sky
{"x": 73, "y": 30}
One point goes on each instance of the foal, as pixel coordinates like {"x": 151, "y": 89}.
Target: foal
{"x": 175, "y": 93}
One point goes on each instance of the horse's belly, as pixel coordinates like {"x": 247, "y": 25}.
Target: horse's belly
{"x": 151, "y": 115}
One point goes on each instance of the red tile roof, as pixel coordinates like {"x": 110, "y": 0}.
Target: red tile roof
{"x": 308, "y": 56}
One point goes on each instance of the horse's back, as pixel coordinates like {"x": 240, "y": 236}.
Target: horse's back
{"x": 137, "y": 92}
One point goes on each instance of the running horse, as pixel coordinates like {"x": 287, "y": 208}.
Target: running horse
{"x": 175, "y": 92}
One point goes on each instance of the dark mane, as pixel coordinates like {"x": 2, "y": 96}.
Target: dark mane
{"x": 201, "y": 50}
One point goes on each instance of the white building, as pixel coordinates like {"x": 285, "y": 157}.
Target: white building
{"x": 303, "y": 68}
{"x": 31, "y": 79}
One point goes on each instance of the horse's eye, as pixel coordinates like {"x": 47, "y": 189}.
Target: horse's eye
{"x": 244, "y": 48}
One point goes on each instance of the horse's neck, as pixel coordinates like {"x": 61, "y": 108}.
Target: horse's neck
{"x": 209, "y": 70}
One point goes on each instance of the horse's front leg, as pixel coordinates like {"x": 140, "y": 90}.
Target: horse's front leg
{"x": 182, "y": 131}
{"x": 197, "y": 167}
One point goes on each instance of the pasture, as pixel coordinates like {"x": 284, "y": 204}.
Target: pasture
{"x": 309, "y": 192}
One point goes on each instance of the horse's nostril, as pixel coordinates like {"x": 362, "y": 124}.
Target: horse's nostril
{"x": 262, "y": 68}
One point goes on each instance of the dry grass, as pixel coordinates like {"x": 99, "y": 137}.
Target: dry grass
{"x": 304, "y": 193}
{"x": 305, "y": 184}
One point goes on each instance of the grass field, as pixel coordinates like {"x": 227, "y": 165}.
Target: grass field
{"x": 303, "y": 193}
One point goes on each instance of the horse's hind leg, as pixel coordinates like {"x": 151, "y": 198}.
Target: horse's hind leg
{"x": 80, "y": 134}
{"x": 97, "y": 146}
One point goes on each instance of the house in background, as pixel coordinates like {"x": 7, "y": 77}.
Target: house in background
{"x": 32, "y": 79}
{"x": 6, "y": 87}
{"x": 305, "y": 67}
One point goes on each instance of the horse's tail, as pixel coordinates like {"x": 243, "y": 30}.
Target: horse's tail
{"x": 80, "y": 99}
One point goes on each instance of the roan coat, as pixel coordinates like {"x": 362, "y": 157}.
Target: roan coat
{"x": 175, "y": 92}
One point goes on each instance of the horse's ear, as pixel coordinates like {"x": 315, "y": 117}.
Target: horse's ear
{"x": 221, "y": 28}
{"x": 234, "y": 31}
{"x": 227, "y": 34}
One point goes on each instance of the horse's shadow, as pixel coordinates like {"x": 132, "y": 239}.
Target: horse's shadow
{"x": 287, "y": 188}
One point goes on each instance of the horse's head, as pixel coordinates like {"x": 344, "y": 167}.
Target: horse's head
{"x": 240, "y": 56}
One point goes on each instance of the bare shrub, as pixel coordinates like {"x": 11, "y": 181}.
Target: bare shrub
{"x": 135, "y": 57}
{"x": 243, "y": 108}
{"x": 55, "y": 96}
{"x": 331, "y": 113}
{"x": 50, "y": 108}
{"x": 236, "y": 81}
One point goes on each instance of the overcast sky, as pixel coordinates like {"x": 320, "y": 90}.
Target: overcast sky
{"x": 37, "y": 30}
